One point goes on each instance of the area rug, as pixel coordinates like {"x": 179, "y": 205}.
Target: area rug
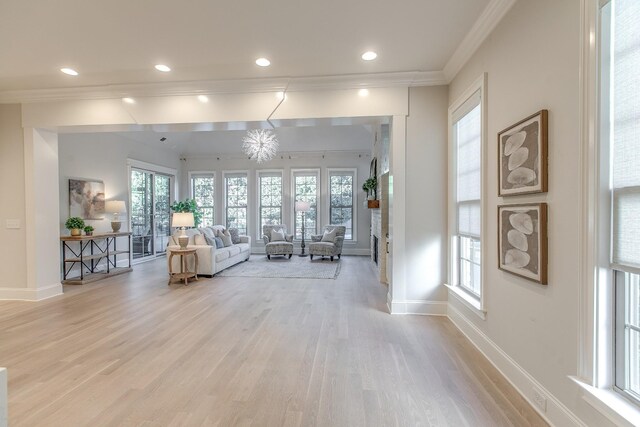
{"x": 283, "y": 267}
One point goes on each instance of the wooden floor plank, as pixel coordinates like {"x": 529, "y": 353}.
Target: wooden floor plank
{"x": 233, "y": 351}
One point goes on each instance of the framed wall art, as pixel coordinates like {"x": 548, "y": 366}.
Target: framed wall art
{"x": 86, "y": 199}
{"x": 522, "y": 240}
{"x": 522, "y": 156}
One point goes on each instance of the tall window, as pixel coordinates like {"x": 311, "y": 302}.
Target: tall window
{"x": 270, "y": 198}
{"x": 621, "y": 121}
{"x": 236, "y": 201}
{"x": 203, "y": 192}
{"x": 305, "y": 189}
{"x": 467, "y": 139}
{"x": 341, "y": 203}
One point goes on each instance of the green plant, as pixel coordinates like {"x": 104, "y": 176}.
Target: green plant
{"x": 74, "y": 222}
{"x": 88, "y": 229}
{"x": 188, "y": 205}
{"x": 371, "y": 185}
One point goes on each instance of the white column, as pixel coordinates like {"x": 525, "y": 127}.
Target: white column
{"x": 397, "y": 230}
{"x": 42, "y": 198}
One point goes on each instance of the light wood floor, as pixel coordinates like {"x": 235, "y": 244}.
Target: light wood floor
{"x": 132, "y": 351}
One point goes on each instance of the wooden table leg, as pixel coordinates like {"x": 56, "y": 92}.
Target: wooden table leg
{"x": 183, "y": 267}
{"x": 195, "y": 254}
{"x": 170, "y": 267}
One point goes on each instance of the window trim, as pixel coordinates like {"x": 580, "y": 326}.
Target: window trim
{"x": 319, "y": 195}
{"x": 196, "y": 174}
{"x": 225, "y": 174}
{"x": 477, "y": 305}
{"x": 354, "y": 200}
{"x": 259, "y": 174}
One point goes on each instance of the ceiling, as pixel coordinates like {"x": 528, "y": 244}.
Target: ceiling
{"x": 119, "y": 41}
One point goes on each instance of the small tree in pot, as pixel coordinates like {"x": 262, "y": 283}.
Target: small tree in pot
{"x": 74, "y": 225}
{"x": 371, "y": 187}
{"x": 189, "y": 205}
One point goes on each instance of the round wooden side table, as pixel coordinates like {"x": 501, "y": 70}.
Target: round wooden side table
{"x": 184, "y": 274}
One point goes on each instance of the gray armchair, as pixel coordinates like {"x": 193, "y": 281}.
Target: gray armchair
{"x": 330, "y": 249}
{"x": 282, "y": 247}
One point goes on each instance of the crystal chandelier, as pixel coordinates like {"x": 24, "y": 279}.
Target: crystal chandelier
{"x": 260, "y": 145}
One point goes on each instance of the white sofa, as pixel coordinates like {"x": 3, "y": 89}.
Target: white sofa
{"x": 210, "y": 259}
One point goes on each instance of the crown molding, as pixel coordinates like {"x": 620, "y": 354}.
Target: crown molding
{"x": 190, "y": 88}
{"x": 492, "y": 14}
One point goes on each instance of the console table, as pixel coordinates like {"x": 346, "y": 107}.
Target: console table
{"x": 87, "y": 252}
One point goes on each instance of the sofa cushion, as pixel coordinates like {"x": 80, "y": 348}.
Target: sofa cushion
{"x": 222, "y": 254}
{"x": 244, "y": 247}
{"x": 277, "y": 235}
{"x": 235, "y": 235}
{"x": 226, "y": 238}
{"x": 233, "y": 250}
{"x": 329, "y": 236}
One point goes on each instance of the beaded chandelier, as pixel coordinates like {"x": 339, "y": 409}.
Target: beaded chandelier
{"x": 260, "y": 145}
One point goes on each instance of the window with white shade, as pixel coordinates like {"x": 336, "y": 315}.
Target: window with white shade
{"x": 620, "y": 132}
{"x": 269, "y": 198}
{"x": 236, "y": 197}
{"x": 203, "y": 192}
{"x": 306, "y": 188}
{"x": 341, "y": 200}
{"x": 467, "y": 144}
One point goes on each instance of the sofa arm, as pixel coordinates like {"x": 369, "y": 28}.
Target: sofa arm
{"x": 245, "y": 239}
{"x": 265, "y": 238}
{"x": 339, "y": 241}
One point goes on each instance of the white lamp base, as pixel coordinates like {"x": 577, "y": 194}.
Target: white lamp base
{"x": 183, "y": 240}
{"x": 115, "y": 226}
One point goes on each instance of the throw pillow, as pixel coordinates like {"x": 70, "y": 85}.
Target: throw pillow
{"x": 329, "y": 236}
{"x": 207, "y": 232}
{"x": 226, "y": 238}
{"x": 277, "y": 235}
{"x": 235, "y": 235}
{"x": 210, "y": 240}
{"x": 219, "y": 243}
{"x": 199, "y": 240}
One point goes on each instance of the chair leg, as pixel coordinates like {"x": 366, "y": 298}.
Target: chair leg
{"x": 290, "y": 255}
{"x": 268, "y": 256}
{"x": 331, "y": 258}
{"x": 339, "y": 255}
{"x": 311, "y": 256}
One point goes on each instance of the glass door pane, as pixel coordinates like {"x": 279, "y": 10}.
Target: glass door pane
{"x": 142, "y": 213}
{"x": 162, "y": 212}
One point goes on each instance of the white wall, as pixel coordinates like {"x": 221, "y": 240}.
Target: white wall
{"x": 360, "y": 161}
{"x": 103, "y": 156}
{"x": 12, "y": 188}
{"x": 531, "y": 330}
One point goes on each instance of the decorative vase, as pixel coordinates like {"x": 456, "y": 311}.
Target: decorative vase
{"x": 76, "y": 232}
{"x": 89, "y": 233}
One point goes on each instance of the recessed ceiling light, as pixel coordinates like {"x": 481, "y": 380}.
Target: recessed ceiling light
{"x": 203, "y": 98}
{"x": 263, "y": 62}
{"x": 163, "y": 68}
{"x": 363, "y": 92}
{"x": 69, "y": 71}
{"x": 369, "y": 55}
{"x": 129, "y": 100}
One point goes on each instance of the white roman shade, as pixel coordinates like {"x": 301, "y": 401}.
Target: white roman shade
{"x": 626, "y": 135}
{"x": 467, "y": 131}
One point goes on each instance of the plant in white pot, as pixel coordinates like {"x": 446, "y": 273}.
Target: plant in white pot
{"x": 371, "y": 187}
{"x": 74, "y": 225}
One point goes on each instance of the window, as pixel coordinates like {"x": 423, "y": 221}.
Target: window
{"x": 305, "y": 189}
{"x": 203, "y": 192}
{"x": 341, "y": 200}
{"x": 467, "y": 146}
{"x": 270, "y": 198}
{"x": 236, "y": 201}
{"x": 621, "y": 120}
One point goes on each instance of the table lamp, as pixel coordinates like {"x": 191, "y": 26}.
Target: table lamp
{"x": 182, "y": 220}
{"x": 303, "y": 207}
{"x": 115, "y": 207}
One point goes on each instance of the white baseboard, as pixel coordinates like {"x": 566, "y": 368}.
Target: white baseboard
{"x": 420, "y": 307}
{"x": 28, "y": 294}
{"x": 557, "y": 414}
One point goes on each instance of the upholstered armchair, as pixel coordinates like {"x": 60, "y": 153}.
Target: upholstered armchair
{"x": 277, "y": 247}
{"x": 328, "y": 248}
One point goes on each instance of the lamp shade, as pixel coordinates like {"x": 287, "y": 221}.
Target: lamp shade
{"x": 182, "y": 219}
{"x": 303, "y": 206}
{"x": 115, "y": 206}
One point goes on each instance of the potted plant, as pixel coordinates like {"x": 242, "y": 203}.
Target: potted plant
{"x": 188, "y": 205}
{"x": 371, "y": 187}
{"x": 88, "y": 230}
{"x": 74, "y": 225}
